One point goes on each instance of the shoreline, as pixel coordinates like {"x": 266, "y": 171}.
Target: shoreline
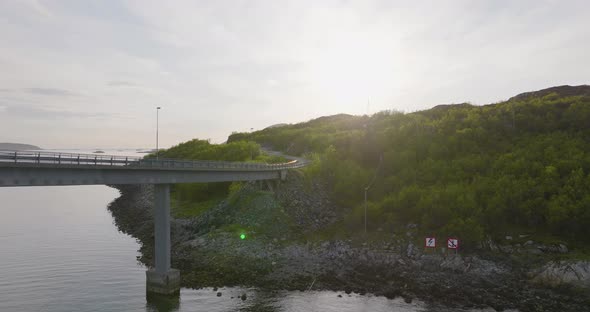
{"x": 210, "y": 256}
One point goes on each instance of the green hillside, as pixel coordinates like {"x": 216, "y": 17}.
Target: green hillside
{"x": 190, "y": 199}
{"x": 522, "y": 165}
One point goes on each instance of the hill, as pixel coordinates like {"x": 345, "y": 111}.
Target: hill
{"x": 18, "y": 147}
{"x": 519, "y": 166}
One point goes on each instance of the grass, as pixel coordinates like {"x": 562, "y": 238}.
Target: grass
{"x": 249, "y": 211}
{"x": 188, "y": 209}
{"x": 261, "y": 211}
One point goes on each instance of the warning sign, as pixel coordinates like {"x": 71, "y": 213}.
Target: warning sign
{"x": 430, "y": 242}
{"x": 453, "y": 243}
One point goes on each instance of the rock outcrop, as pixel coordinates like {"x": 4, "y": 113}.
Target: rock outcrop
{"x": 557, "y": 273}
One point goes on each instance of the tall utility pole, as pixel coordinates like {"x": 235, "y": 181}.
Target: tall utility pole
{"x": 369, "y": 186}
{"x": 370, "y": 183}
{"x": 157, "y": 129}
{"x": 513, "y": 117}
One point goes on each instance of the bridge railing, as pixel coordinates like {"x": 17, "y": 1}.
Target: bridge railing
{"x": 33, "y": 157}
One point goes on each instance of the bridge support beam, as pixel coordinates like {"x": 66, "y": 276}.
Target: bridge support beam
{"x": 162, "y": 280}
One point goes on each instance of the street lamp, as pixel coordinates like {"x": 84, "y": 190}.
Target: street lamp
{"x": 157, "y": 126}
{"x": 366, "y": 190}
{"x": 369, "y": 187}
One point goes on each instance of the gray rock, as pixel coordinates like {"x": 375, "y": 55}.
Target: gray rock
{"x": 410, "y": 250}
{"x": 563, "y": 248}
{"x": 197, "y": 242}
{"x": 532, "y": 250}
{"x": 564, "y": 272}
{"x": 506, "y": 248}
{"x": 454, "y": 263}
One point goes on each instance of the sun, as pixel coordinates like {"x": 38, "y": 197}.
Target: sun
{"x": 353, "y": 70}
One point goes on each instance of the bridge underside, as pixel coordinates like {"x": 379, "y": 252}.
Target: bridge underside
{"x": 47, "y": 176}
{"x": 162, "y": 279}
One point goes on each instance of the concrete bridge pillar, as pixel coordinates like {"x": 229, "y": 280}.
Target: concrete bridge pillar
{"x": 162, "y": 279}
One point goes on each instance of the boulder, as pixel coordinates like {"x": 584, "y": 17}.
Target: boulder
{"x": 555, "y": 273}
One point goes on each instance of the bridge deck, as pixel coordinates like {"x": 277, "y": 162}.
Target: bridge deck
{"x": 47, "y": 159}
{"x": 19, "y": 168}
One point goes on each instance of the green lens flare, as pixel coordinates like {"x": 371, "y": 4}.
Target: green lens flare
{"x": 242, "y": 236}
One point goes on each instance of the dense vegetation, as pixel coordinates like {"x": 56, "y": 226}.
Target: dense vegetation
{"x": 470, "y": 171}
{"x": 192, "y": 198}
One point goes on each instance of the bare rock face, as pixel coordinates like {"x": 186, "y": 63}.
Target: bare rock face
{"x": 309, "y": 205}
{"x": 554, "y": 273}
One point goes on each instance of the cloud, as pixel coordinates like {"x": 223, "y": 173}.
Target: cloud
{"x": 25, "y": 108}
{"x": 39, "y": 8}
{"x": 212, "y": 64}
{"x": 121, "y": 83}
{"x": 272, "y": 82}
{"x": 50, "y": 92}
{"x": 32, "y": 111}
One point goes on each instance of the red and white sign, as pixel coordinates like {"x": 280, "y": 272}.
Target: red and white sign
{"x": 453, "y": 243}
{"x": 430, "y": 242}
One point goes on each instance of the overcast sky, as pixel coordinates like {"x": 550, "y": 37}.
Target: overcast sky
{"x": 90, "y": 74}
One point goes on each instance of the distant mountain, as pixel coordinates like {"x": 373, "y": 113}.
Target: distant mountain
{"x": 18, "y": 147}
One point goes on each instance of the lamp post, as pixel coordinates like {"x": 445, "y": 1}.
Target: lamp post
{"x": 369, "y": 186}
{"x": 366, "y": 190}
{"x": 157, "y": 129}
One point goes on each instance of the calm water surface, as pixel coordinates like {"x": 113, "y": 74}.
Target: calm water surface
{"x": 60, "y": 251}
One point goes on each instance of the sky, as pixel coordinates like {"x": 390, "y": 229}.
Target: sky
{"x": 90, "y": 74}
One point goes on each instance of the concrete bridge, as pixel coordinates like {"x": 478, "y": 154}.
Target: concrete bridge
{"x": 18, "y": 168}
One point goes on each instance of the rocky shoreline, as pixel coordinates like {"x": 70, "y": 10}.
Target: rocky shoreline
{"x": 209, "y": 255}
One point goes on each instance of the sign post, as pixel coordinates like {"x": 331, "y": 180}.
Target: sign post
{"x": 453, "y": 243}
{"x": 430, "y": 242}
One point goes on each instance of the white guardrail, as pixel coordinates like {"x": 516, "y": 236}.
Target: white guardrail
{"x": 33, "y": 157}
